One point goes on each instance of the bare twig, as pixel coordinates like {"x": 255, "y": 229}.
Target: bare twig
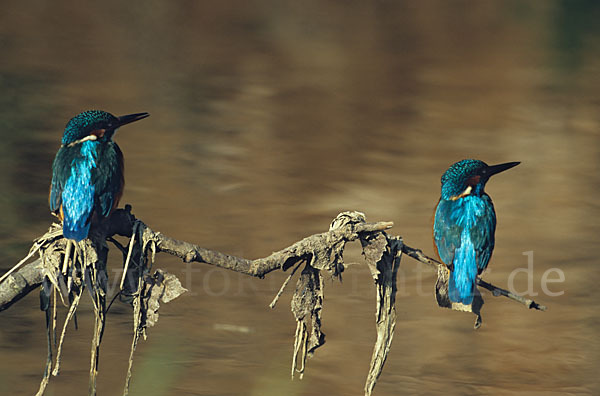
{"x": 282, "y": 288}
{"x": 497, "y": 291}
{"x": 418, "y": 255}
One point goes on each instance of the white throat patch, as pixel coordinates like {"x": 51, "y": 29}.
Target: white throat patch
{"x": 463, "y": 194}
{"x": 85, "y": 139}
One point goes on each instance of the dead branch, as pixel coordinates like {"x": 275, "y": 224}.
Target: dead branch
{"x": 313, "y": 248}
{"x": 66, "y": 270}
{"x": 20, "y": 283}
{"x": 382, "y": 254}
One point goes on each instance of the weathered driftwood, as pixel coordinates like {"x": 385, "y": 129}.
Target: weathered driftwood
{"x": 382, "y": 254}
{"x": 65, "y": 270}
{"x": 20, "y": 283}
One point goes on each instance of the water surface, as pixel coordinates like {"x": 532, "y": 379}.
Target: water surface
{"x": 268, "y": 119}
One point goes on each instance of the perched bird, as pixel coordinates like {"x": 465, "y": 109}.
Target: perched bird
{"x": 87, "y": 173}
{"x": 464, "y": 225}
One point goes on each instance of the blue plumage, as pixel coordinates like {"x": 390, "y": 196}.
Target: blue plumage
{"x": 464, "y": 225}
{"x": 87, "y": 173}
{"x": 82, "y": 124}
{"x": 78, "y": 193}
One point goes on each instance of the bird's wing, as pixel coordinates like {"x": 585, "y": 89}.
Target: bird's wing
{"x": 446, "y": 231}
{"x": 108, "y": 177}
{"x": 60, "y": 173}
{"x": 482, "y": 233}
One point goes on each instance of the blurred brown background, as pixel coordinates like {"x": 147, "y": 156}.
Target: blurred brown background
{"x": 269, "y": 118}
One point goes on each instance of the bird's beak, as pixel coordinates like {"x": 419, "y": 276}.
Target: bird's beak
{"x": 492, "y": 170}
{"x": 129, "y": 118}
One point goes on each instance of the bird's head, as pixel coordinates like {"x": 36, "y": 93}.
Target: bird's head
{"x": 468, "y": 177}
{"x": 95, "y": 125}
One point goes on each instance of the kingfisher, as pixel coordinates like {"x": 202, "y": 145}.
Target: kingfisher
{"x": 87, "y": 173}
{"x": 465, "y": 223}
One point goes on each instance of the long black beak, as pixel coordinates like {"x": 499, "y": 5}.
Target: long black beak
{"x": 129, "y": 118}
{"x": 492, "y": 170}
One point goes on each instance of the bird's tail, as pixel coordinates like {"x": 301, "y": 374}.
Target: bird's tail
{"x": 461, "y": 287}
{"x": 76, "y": 230}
